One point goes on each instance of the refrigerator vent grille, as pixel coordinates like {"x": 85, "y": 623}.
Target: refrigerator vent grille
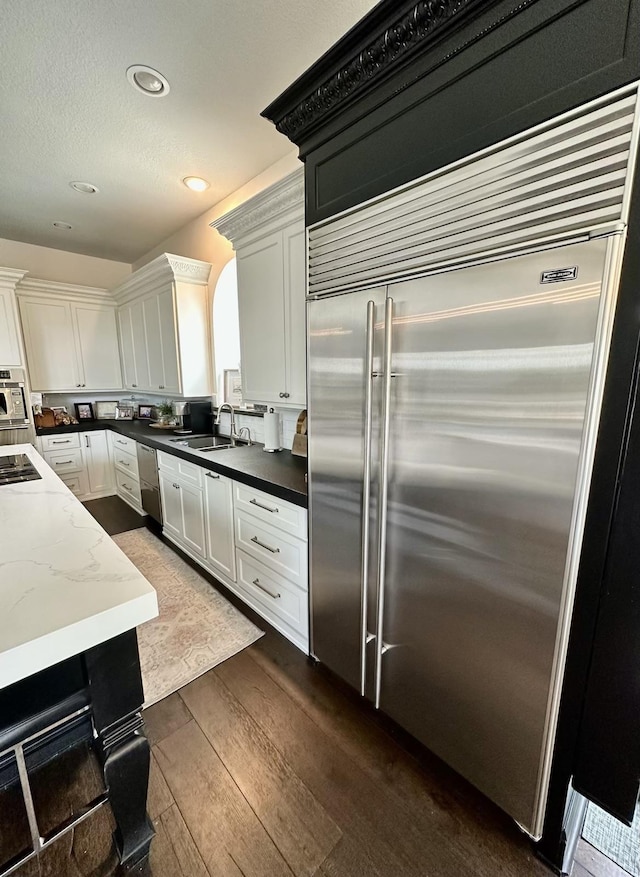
{"x": 562, "y": 178}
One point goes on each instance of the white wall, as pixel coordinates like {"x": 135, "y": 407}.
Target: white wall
{"x": 197, "y": 241}
{"x": 46, "y": 263}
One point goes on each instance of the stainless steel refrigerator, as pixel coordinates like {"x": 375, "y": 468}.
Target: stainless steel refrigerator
{"x": 452, "y": 420}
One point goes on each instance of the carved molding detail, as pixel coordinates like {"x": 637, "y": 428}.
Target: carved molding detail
{"x": 423, "y": 20}
{"x": 163, "y": 269}
{"x": 283, "y": 197}
{"x": 189, "y": 269}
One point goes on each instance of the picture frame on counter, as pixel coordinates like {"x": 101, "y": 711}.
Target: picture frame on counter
{"x": 106, "y": 410}
{"x": 146, "y": 412}
{"x": 84, "y": 411}
{"x": 124, "y": 412}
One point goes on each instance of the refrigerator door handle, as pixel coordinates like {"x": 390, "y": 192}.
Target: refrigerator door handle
{"x": 384, "y": 484}
{"x": 365, "y": 636}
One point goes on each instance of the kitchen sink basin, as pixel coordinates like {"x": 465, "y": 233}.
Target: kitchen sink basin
{"x": 203, "y": 442}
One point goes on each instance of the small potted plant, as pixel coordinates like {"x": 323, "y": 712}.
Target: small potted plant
{"x": 166, "y": 414}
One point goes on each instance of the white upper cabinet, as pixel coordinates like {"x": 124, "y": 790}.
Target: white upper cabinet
{"x": 268, "y": 235}
{"x": 10, "y": 354}
{"x": 70, "y": 337}
{"x": 97, "y": 346}
{"x": 262, "y": 319}
{"x": 164, "y": 327}
{"x": 48, "y": 338}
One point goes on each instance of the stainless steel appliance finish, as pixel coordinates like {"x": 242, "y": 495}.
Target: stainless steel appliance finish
{"x": 149, "y": 482}
{"x": 446, "y": 434}
{"x": 13, "y": 405}
{"x": 15, "y": 468}
{"x": 203, "y": 442}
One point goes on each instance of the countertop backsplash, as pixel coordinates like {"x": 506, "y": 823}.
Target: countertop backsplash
{"x": 288, "y": 417}
{"x": 288, "y": 420}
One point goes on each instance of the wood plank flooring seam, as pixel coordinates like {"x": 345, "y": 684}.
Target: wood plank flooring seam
{"x": 220, "y": 817}
{"x": 230, "y": 775}
{"x": 322, "y": 813}
{"x": 165, "y": 822}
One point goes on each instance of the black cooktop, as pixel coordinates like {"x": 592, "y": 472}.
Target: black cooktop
{"x": 15, "y": 468}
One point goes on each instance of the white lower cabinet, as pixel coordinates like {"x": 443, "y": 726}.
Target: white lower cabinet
{"x": 271, "y": 556}
{"x": 97, "y": 460}
{"x": 218, "y": 499}
{"x": 83, "y": 461}
{"x": 183, "y": 512}
{"x": 284, "y": 605}
{"x": 124, "y": 454}
{"x": 129, "y": 489}
{"x": 254, "y": 543}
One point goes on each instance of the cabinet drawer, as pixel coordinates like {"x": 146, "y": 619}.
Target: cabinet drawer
{"x": 60, "y": 442}
{"x": 65, "y": 461}
{"x": 276, "y": 512}
{"x": 277, "y": 597}
{"x": 190, "y": 473}
{"x": 128, "y": 487}
{"x": 283, "y": 554}
{"x": 125, "y": 461}
{"x": 123, "y": 443}
{"x": 77, "y": 483}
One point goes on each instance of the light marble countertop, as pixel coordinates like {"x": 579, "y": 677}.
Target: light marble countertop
{"x": 65, "y": 586}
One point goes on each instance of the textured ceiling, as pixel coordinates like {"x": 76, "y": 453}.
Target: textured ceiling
{"x": 68, "y": 113}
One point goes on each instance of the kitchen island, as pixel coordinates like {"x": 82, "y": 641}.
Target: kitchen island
{"x": 70, "y": 601}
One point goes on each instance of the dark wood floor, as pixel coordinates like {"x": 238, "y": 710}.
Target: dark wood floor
{"x": 265, "y": 767}
{"x": 114, "y": 514}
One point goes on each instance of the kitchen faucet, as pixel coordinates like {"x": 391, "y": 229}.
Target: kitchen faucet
{"x": 233, "y": 435}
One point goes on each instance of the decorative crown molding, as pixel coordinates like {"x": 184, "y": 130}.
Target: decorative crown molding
{"x": 165, "y": 268}
{"x": 418, "y": 25}
{"x": 10, "y": 277}
{"x": 35, "y": 286}
{"x": 283, "y": 197}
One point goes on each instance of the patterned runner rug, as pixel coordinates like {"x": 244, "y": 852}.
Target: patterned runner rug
{"x": 618, "y": 842}
{"x": 196, "y": 629}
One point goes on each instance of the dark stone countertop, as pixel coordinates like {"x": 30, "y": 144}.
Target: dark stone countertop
{"x": 280, "y": 474}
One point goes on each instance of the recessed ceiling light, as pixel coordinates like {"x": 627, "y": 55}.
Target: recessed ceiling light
{"x": 147, "y": 80}
{"x": 64, "y": 225}
{"x": 85, "y": 188}
{"x": 196, "y": 183}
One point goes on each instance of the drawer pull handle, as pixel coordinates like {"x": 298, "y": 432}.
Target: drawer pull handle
{"x": 264, "y": 545}
{"x": 177, "y": 486}
{"x": 120, "y": 442}
{"x": 63, "y": 462}
{"x": 211, "y": 475}
{"x": 258, "y": 584}
{"x": 127, "y": 487}
{"x": 86, "y": 441}
{"x": 60, "y": 441}
{"x": 265, "y": 507}
{"x": 124, "y": 462}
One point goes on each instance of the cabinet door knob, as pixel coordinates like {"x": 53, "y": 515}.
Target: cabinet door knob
{"x": 161, "y": 386}
{"x": 78, "y": 385}
{"x": 134, "y": 385}
{"x": 285, "y": 395}
{"x": 281, "y": 395}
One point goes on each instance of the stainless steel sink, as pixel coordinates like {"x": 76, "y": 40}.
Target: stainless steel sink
{"x": 203, "y": 442}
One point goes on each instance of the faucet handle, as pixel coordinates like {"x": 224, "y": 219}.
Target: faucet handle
{"x": 241, "y": 430}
